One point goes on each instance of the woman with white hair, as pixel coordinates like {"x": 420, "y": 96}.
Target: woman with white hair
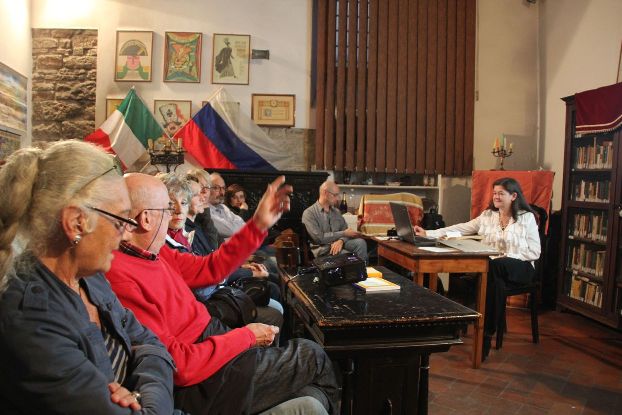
{"x": 67, "y": 344}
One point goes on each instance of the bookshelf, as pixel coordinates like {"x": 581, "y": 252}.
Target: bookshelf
{"x": 590, "y": 278}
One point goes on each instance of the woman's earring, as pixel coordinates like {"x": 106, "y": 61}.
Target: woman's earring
{"x": 77, "y": 239}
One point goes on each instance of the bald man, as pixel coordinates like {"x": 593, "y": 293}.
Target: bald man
{"x": 327, "y": 229}
{"x": 218, "y": 369}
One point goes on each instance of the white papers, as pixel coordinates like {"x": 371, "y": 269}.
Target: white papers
{"x": 453, "y": 234}
{"x": 436, "y": 249}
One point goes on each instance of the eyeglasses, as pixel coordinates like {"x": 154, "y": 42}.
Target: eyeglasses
{"x": 217, "y": 188}
{"x": 170, "y": 209}
{"x": 333, "y": 193}
{"x": 119, "y": 223}
{"x": 114, "y": 167}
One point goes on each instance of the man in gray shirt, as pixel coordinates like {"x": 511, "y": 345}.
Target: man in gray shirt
{"x": 327, "y": 229}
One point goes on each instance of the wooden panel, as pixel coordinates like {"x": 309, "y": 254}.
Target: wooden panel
{"x": 341, "y": 85}
{"x": 459, "y": 117}
{"x": 402, "y": 82}
{"x": 351, "y": 82}
{"x": 361, "y": 102}
{"x": 411, "y": 111}
{"x": 422, "y": 53}
{"x": 450, "y": 125}
{"x": 392, "y": 66}
{"x": 372, "y": 85}
{"x": 329, "y": 114}
{"x": 441, "y": 85}
{"x": 430, "y": 135}
{"x": 381, "y": 103}
{"x": 469, "y": 86}
{"x": 322, "y": 10}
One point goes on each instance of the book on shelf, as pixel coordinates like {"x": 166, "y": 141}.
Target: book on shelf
{"x": 373, "y": 284}
{"x": 594, "y": 156}
{"x": 591, "y": 225}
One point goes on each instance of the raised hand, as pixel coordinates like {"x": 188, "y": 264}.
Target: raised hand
{"x": 274, "y": 202}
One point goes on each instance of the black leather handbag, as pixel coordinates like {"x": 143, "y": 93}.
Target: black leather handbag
{"x": 232, "y": 306}
{"x": 256, "y": 288}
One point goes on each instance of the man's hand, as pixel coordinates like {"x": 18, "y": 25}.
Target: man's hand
{"x": 264, "y": 334}
{"x": 336, "y": 246}
{"x": 273, "y": 203}
{"x": 419, "y": 231}
{"x": 123, "y": 397}
{"x": 259, "y": 270}
{"x": 351, "y": 234}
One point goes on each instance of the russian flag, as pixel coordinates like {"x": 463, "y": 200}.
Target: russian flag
{"x": 219, "y": 137}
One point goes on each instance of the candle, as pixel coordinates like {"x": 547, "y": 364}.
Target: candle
{"x": 179, "y": 143}
{"x": 150, "y": 144}
{"x": 496, "y": 143}
{"x": 505, "y": 142}
{"x": 511, "y": 145}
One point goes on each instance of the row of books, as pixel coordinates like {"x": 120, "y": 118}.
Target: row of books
{"x": 583, "y": 289}
{"x": 591, "y": 190}
{"x": 588, "y": 260}
{"x": 591, "y": 225}
{"x": 595, "y": 156}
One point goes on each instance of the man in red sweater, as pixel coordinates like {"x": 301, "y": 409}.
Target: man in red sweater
{"x": 218, "y": 369}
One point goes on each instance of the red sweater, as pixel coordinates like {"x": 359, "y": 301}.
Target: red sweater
{"x": 159, "y": 295}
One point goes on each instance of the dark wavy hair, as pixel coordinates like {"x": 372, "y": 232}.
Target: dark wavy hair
{"x": 511, "y": 186}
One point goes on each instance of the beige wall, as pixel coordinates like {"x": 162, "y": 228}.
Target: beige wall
{"x": 15, "y": 35}
{"x": 580, "y": 49}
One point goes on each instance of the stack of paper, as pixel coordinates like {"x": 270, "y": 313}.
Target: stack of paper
{"x": 372, "y": 284}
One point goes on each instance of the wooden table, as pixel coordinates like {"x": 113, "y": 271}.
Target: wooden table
{"x": 382, "y": 341}
{"x": 421, "y": 262}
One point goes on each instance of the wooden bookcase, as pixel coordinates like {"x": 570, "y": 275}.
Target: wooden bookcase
{"x": 590, "y": 278}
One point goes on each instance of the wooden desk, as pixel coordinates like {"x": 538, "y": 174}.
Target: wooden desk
{"x": 382, "y": 341}
{"x": 420, "y": 262}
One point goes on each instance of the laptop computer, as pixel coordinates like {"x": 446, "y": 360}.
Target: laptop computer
{"x": 469, "y": 245}
{"x": 404, "y": 226}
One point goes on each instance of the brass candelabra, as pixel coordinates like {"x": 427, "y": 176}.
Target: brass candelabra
{"x": 167, "y": 155}
{"x": 502, "y": 153}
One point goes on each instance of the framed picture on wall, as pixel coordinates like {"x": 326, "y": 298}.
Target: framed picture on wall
{"x": 182, "y": 57}
{"x": 277, "y": 110}
{"x": 112, "y": 104}
{"x": 133, "y": 58}
{"x": 230, "y": 59}
{"x": 13, "y": 99}
{"x": 172, "y": 114}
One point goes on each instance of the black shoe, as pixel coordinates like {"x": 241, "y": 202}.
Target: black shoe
{"x": 486, "y": 347}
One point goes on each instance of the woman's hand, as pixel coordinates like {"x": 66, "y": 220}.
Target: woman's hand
{"x": 419, "y": 231}
{"x": 123, "y": 397}
{"x": 264, "y": 334}
{"x": 274, "y": 202}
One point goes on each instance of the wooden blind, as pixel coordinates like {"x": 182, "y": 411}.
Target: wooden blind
{"x": 395, "y": 85}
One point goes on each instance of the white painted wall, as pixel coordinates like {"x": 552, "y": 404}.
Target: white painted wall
{"x": 16, "y": 41}
{"x": 580, "y": 50}
{"x": 282, "y": 26}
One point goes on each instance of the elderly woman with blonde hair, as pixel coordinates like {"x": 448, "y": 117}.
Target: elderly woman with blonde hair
{"x": 67, "y": 344}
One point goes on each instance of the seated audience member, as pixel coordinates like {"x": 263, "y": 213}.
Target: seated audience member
{"x": 183, "y": 196}
{"x": 510, "y": 226}
{"x": 68, "y": 346}
{"x": 326, "y": 227}
{"x": 235, "y": 199}
{"x": 203, "y": 220}
{"x": 218, "y": 369}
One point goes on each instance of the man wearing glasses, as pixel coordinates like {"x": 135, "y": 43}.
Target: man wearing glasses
{"x": 327, "y": 229}
{"x": 218, "y": 369}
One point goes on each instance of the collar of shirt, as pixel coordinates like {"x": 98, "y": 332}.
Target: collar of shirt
{"x": 133, "y": 250}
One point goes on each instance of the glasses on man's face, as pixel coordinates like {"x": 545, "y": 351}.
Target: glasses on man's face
{"x": 120, "y": 223}
{"x": 333, "y": 193}
{"x": 170, "y": 209}
{"x": 217, "y": 188}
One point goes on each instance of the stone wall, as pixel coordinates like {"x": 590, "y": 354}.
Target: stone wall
{"x": 64, "y": 75}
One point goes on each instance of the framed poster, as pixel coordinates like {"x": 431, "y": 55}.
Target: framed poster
{"x": 13, "y": 99}
{"x": 182, "y": 57}
{"x": 172, "y": 114}
{"x": 230, "y": 59}
{"x": 112, "y": 104}
{"x": 133, "y": 58}
{"x": 274, "y": 109}
{"x": 9, "y": 142}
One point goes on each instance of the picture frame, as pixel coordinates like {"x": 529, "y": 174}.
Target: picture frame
{"x": 112, "y": 104}
{"x": 13, "y": 100}
{"x": 182, "y": 56}
{"x": 276, "y": 110}
{"x": 231, "y": 59}
{"x": 133, "y": 56}
{"x": 172, "y": 114}
{"x": 619, "y": 78}
{"x": 9, "y": 143}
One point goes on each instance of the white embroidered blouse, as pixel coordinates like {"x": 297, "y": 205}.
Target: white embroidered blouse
{"x": 519, "y": 239}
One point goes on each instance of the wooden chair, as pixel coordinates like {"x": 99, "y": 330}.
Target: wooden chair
{"x": 530, "y": 289}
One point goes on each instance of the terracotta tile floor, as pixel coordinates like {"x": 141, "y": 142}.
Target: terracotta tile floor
{"x": 576, "y": 369}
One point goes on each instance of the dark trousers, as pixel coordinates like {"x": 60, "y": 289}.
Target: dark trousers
{"x": 503, "y": 271}
{"x": 261, "y": 378}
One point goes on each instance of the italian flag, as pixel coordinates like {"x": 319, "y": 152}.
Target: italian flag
{"x": 127, "y": 131}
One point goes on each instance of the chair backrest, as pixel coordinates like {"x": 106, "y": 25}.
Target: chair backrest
{"x": 541, "y": 218}
{"x": 375, "y": 211}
